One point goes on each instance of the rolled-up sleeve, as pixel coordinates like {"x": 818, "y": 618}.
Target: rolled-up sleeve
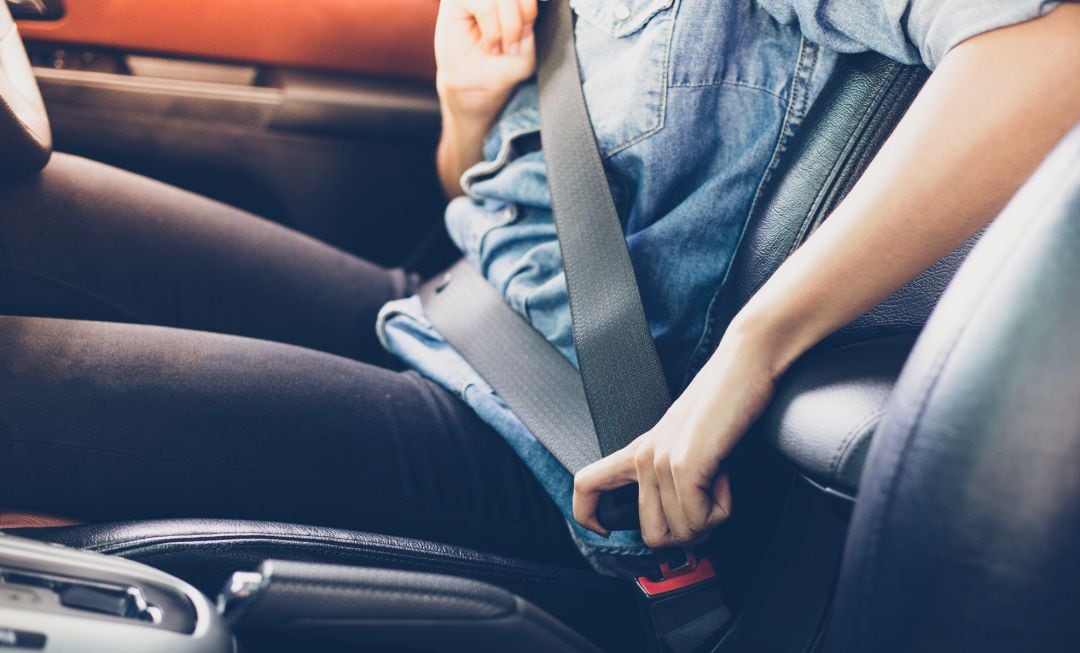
{"x": 909, "y": 31}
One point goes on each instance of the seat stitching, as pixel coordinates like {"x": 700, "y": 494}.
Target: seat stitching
{"x": 474, "y": 567}
{"x": 852, "y": 436}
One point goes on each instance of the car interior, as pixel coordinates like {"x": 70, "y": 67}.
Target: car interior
{"x": 879, "y": 500}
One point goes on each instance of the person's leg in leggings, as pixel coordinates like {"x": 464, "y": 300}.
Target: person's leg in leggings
{"x": 114, "y": 421}
{"x": 110, "y": 421}
{"x": 88, "y": 241}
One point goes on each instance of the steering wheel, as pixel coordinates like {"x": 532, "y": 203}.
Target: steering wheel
{"x": 25, "y": 138}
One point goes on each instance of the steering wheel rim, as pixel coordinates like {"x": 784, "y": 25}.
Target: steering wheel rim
{"x": 25, "y": 136}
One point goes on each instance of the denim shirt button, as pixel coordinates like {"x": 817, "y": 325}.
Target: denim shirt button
{"x": 622, "y": 12}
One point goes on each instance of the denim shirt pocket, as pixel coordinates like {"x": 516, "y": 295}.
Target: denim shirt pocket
{"x": 624, "y": 48}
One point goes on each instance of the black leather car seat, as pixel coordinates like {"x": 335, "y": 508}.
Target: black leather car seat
{"x": 841, "y": 134}
{"x": 967, "y": 529}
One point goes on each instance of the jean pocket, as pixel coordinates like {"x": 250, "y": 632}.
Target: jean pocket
{"x": 623, "y": 47}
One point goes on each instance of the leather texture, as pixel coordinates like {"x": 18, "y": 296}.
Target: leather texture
{"x": 25, "y": 137}
{"x": 206, "y": 552}
{"x": 828, "y": 406}
{"x": 401, "y": 609}
{"x": 967, "y": 528}
{"x": 388, "y": 38}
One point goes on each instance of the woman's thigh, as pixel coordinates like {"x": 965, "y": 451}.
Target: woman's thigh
{"x": 105, "y": 421}
{"x": 88, "y": 241}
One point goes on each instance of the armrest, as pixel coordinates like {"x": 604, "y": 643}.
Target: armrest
{"x": 398, "y": 609}
{"x": 828, "y": 406}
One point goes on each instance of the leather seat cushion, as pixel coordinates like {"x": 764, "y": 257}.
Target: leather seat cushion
{"x": 828, "y": 407}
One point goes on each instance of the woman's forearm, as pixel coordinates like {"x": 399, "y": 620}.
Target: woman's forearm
{"x": 483, "y": 50}
{"x": 460, "y": 146}
{"x": 991, "y": 112}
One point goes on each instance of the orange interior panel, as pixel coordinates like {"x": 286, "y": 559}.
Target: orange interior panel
{"x": 384, "y": 37}
{"x": 29, "y": 520}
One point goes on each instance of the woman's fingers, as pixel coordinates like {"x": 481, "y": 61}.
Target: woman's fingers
{"x": 511, "y": 24}
{"x": 612, "y": 472}
{"x": 502, "y": 25}
{"x": 654, "y": 524}
{"x": 696, "y": 488}
{"x": 488, "y": 25}
{"x": 678, "y": 501}
{"x": 674, "y": 513}
{"x": 529, "y": 12}
{"x": 721, "y": 498}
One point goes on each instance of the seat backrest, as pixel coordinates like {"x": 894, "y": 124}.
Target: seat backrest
{"x": 848, "y": 124}
{"x": 966, "y": 531}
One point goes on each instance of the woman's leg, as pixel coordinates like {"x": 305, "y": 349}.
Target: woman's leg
{"x": 101, "y": 420}
{"x": 109, "y": 421}
{"x": 87, "y": 241}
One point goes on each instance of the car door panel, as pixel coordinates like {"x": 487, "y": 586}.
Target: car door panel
{"x": 382, "y": 37}
{"x": 322, "y": 117}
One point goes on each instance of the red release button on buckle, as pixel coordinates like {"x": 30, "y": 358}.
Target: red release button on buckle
{"x": 693, "y": 572}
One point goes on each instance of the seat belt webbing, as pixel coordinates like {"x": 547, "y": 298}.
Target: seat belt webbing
{"x": 620, "y": 370}
{"x": 532, "y": 377}
{"x": 620, "y": 391}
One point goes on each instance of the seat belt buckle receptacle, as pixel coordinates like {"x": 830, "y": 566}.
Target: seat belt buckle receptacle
{"x": 675, "y": 577}
{"x": 684, "y": 608}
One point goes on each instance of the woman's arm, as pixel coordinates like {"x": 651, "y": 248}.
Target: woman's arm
{"x": 483, "y": 50}
{"x": 991, "y": 112}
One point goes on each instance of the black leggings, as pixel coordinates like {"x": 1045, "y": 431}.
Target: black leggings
{"x": 162, "y": 355}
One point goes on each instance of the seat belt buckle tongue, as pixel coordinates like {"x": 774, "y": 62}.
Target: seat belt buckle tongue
{"x": 678, "y": 574}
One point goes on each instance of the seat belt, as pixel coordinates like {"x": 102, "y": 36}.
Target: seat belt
{"x": 619, "y": 390}
{"x": 620, "y": 369}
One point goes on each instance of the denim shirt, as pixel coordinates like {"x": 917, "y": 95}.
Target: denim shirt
{"x": 692, "y": 103}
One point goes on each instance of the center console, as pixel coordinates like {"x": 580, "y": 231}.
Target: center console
{"x": 57, "y": 599}
{"x": 62, "y": 600}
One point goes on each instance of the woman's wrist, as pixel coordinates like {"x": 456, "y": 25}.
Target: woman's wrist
{"x": 461, "y": 145}
{"x": 469, "y": 103}
{"x": 764, "y": 340}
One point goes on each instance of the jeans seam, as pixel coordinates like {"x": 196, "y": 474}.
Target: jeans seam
{"x": 664, "y": 87}
{"x": 732, "y": 83}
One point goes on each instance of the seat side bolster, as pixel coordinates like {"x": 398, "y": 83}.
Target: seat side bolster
{"x": 828, "y": 407}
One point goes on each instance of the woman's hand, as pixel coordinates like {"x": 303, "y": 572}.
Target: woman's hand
{"x": 483, "y": 49}
{"x": 683, "y": 491}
